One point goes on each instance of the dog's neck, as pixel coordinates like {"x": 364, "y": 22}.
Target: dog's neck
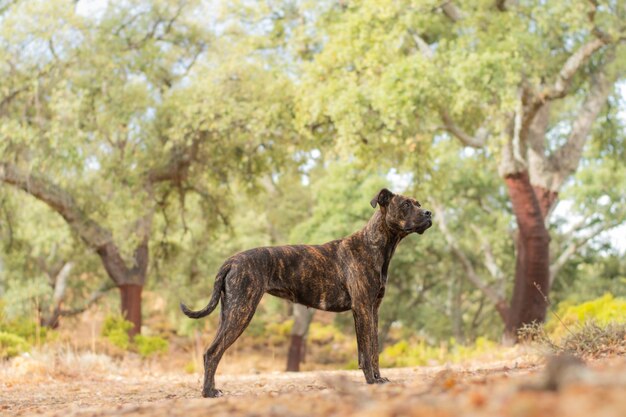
{"x": 378, "y": 235}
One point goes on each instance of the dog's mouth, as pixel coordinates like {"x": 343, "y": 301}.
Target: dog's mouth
{"x": 421, "y": 228}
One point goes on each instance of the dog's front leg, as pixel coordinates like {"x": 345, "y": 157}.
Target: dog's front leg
{"x": 365, "y": 338}
{"x": 376, "y": 348}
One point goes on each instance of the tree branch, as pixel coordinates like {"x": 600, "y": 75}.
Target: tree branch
{"x": 470, "y": 273}
{"x": 575, "y": 245}
{"x": 571, "y": 66}
{"x": 490, "y": 260}
{"x": 59, "y": 200}
{"x": 93, "y": 298}
{"x": 60, "y": 284}
{"x": 567, "y": 157}
{"x": 477, "y": 141}
{"x": 560, "y": 88}
{"x": 421, "y": 44}
{"x": 95, "y": 236}
{"x": 452, "y": 11}
{"x": 480, "y": 138}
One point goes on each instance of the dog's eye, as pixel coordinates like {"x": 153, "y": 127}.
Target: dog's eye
{"x": 406, "y": 204}
{"x": 418, "y": 204}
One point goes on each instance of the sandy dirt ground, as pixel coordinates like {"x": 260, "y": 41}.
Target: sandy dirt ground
{"x": 498, "y": 389}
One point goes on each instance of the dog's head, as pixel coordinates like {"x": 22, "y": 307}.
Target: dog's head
{"x": 402, "y": 213}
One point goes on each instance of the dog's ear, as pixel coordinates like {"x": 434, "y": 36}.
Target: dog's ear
{"x": 382, "y": 198}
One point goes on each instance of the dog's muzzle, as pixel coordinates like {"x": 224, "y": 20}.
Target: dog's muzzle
{"x": 424, "y": 226}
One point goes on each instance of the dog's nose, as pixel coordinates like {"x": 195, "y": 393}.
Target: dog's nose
{"x": 427, "y": 213}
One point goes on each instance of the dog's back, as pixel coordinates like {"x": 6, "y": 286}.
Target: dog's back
{"x": 304, "y": 274}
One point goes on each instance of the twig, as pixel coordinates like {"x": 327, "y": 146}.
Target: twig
{"x": 549, "y": 304}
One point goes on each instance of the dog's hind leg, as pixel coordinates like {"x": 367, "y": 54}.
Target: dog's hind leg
{"x": 235, "y": 317}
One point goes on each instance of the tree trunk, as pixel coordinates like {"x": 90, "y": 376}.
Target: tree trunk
{"x": 297, "y": 347}
{"x": 130, "y": 281}
{"x": 532, "y": 269}
{"x": 131, "y": 306}
{"x": 295, "y": 354}
{"x": 454, "y": 309}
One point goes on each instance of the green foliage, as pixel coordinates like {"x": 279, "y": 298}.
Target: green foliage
{"x": 115, "y": 330}
{"x": 11, "y": 345}
{"x": 602, "y": 311}
{"x": 190, "y": 367}
{"x": 26, "y": 329}
{"x": 404, "y": 353}
{"x": 150, "y": 345}
{"x": 342, "y": 194}
{"x": 278, "y": 333}
{"x": 325, "y": 333}
{"x": 282, "y": 119}
{"x": 594, "y": 328}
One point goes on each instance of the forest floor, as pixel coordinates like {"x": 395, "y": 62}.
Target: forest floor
{"x": 96, "y": 387}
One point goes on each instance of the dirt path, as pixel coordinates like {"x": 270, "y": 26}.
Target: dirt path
{"x": 492, "y": 389}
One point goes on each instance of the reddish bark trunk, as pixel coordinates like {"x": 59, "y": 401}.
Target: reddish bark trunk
{"x": 131, "y": 306}
{"x": 546, "y": 199}
{"x": 532, "y": 267}
{"x": 296, "y": 353}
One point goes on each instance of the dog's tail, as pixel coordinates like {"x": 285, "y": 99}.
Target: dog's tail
{"x": 215, "y": 297}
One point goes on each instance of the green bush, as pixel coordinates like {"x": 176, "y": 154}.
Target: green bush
{"x": 12, "y": 345}
{"x": 404, "y": 354}
{"x": 325, "y": 333}
{"x": 115, "y": 330}
{"x": 26, "y": 329}
{"x": 418, "y": 354}
{"x": 277, "y": 333}
{"x": 591, "y": 329}
{"x": 602, "y": 311}
{"x": 150, "y": 345}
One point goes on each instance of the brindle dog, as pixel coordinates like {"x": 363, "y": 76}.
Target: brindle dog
{"x": 345, "y": 274}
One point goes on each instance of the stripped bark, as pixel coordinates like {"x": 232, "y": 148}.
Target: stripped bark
{"x": 532, "y": 261}
{"x": 532, "y": 176}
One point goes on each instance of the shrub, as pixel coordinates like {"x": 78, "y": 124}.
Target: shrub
{"x": 594, "y": 340}
{"x": 405, "y": 354}
{"x": 278, "y": 333}
{"x": 325, "y": 333}
{"x": 591, "y": 329}
{"x": 26, "y": 329}
{"x": 11, "y": 345}
{"x": 602, "y": 311}
{"x": 190, "y": 367}
{"x": 115, "y": 330}
{"x": 150, "y": 345}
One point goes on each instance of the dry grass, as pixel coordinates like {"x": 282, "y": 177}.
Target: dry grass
{"x": 589, "y": 340}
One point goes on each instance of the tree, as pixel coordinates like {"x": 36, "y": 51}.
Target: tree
{"x": 44, "y": 262}
{"x": 529, "y": 79}
{"x": 110, "y": 120}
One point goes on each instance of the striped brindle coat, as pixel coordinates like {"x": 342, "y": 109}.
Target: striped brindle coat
{"x": 341, "y": 275}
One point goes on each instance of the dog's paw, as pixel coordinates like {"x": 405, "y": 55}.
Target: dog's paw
{"x": 212, "y": 393}
{"x": 378, "y": 380}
